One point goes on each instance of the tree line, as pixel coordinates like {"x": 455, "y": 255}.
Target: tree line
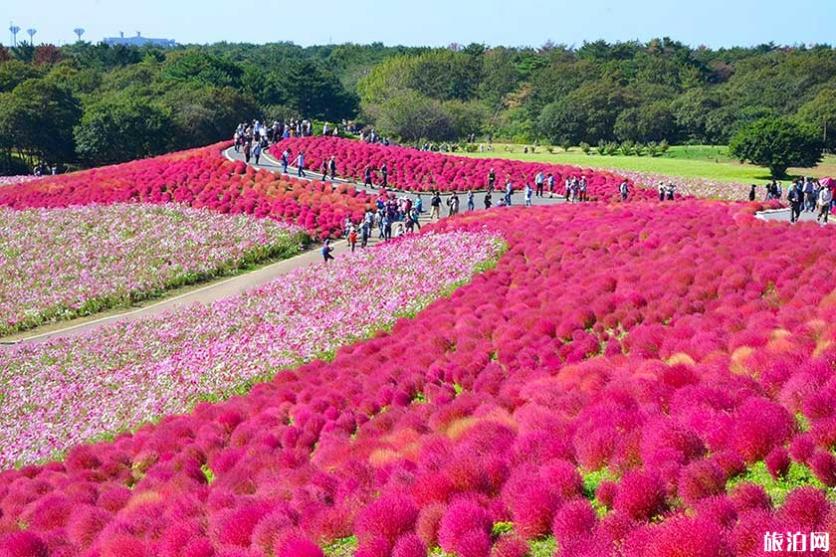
{"x": 89, "y": 104}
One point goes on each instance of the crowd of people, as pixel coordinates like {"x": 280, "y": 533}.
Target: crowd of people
{"x": 805, "y": 195}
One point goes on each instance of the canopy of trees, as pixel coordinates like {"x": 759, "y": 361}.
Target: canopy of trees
{"x": 88, "y": 95}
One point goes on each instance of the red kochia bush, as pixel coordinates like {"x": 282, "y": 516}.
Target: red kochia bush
{"x": 429, "y": 431}
{"x": 200, "y": 178}
{"x": 414, "y": 170}
{"x": 640, "y": 495}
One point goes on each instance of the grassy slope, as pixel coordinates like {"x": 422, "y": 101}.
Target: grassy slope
{"x": 687, "y": 161}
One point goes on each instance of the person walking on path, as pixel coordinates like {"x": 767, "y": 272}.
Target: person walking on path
{"x": 352, "y": 239}
{"x": 825, "y": 197}
{"x": 551, "y": 183}
{"x": 488, "y": 199}
{"x": 470, "y": 204}
{"x": 538, "y": 182}
{"x": 752, "y": 193}
{"x": 527, "y": 194}
{"x": 509, "y": 189}
{"x": 387, "y": 228}
{"x": 435, "y": 206}
{"x": 257, "y": 152}
{"x": 285, "y": 160}
{"x": 300, "y": 165}
{"x": 809, "y": 195}
{"x": 332, "y": 167}
{"x": 326, "y": 251}
{"x": 384, "y": 175}
{"x": 795, "y": 196}
{"x": 247, "y": 152}
{"x": 453, "y": 205}
{"x": 367, "y": 177}
{"x": 416, "y": 215}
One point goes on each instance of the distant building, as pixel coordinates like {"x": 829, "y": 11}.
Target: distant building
{"x": 139, "y": 40}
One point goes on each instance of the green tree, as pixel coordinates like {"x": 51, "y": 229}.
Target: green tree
{"x": 561, "y": 124}
{"x": 120, "y": 128}
{"x": 315, "y": 92}
{"x": 201, "y": 67}
{"x": 777, "y": 143}
{"x": 15, "y": 72}
{"x": 409, "y": 116}
{"x": 37, "y": 119}
{"x": 204, "y": 115}
{"x": 820, "y": 113}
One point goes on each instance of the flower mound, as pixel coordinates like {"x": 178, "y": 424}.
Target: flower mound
{"x": 421, "y": 171}
{"x": 201, "y": 178}
{"x": 626, "y": 346}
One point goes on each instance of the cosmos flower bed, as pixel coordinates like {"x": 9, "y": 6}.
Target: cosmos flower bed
{"x": 695, "y": 187}
{"x": 201, "y": 178}
{"x": 62, "y": 392}
{"x": 414, "y": 170}
{"x": 625, "y": 382}
{"x": 9, "y": 180}
{"x": 61, "y": 263}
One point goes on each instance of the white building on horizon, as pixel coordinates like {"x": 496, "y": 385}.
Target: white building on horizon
{"x": 138, "y": 40}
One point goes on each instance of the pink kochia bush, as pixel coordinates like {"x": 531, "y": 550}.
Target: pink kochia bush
{"x": 201, "y": 178}
{"x": 638, "y": 344}
{"x": 421, "y": 171}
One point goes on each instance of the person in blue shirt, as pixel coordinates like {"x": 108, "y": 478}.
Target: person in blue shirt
{"x": 326, "y": 251}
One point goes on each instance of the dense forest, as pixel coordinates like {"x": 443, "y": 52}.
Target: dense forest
{"x": 90, "y": 104}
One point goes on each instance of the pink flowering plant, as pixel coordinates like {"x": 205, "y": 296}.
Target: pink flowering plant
{"x": 62, "y": 263}
{"x": 63, "y": 392}
{"x": 421, "y": 171}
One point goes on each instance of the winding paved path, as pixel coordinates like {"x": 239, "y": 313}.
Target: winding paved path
{"x": 267, "y": 162}
{"x": 783, "y": 215}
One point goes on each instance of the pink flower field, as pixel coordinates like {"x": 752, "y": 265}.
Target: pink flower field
{"x": 66, "y": 391}
{"x": 61, "y": 263}
{"x": 200, "y": 178}
{"x": 421, "y": 171}
{"x": 628, "y": 380}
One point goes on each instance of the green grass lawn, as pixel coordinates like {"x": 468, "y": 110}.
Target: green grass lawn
{"x": 710, "y": 162}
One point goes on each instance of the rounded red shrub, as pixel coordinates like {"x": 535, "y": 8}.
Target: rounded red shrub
{"x": 760, "y": 425}
{"x": 748, "y": 496}
{"x": 823, "y": 465}
{"x": 700, "y": 479}
{"x": 409, "y": 545}
{"x": 85, "y": 524}
{"x": 777, "y": 462}
{"x": 605, "y": 493}
{"x": 804, "y": 508}
{"x": 461, "y": 518}
{"x": 428, "y": 522}
{"x": 388, "y": 517}
{"x": 22, "y": 544}
{"x": 235, "y": 527}
{"x": 640, "y": 495}
{"x": 295, "y": 544}
{"x": 510, "y": 546}
{"x": 573, "y": 520}
{"x": 680, "y": 536}
{"x": 802, "y": 448}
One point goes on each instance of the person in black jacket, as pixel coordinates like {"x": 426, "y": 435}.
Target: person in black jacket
{"x": 796, "y": 199}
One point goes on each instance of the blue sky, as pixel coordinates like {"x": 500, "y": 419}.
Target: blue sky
{"x": 430, "y": 22}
